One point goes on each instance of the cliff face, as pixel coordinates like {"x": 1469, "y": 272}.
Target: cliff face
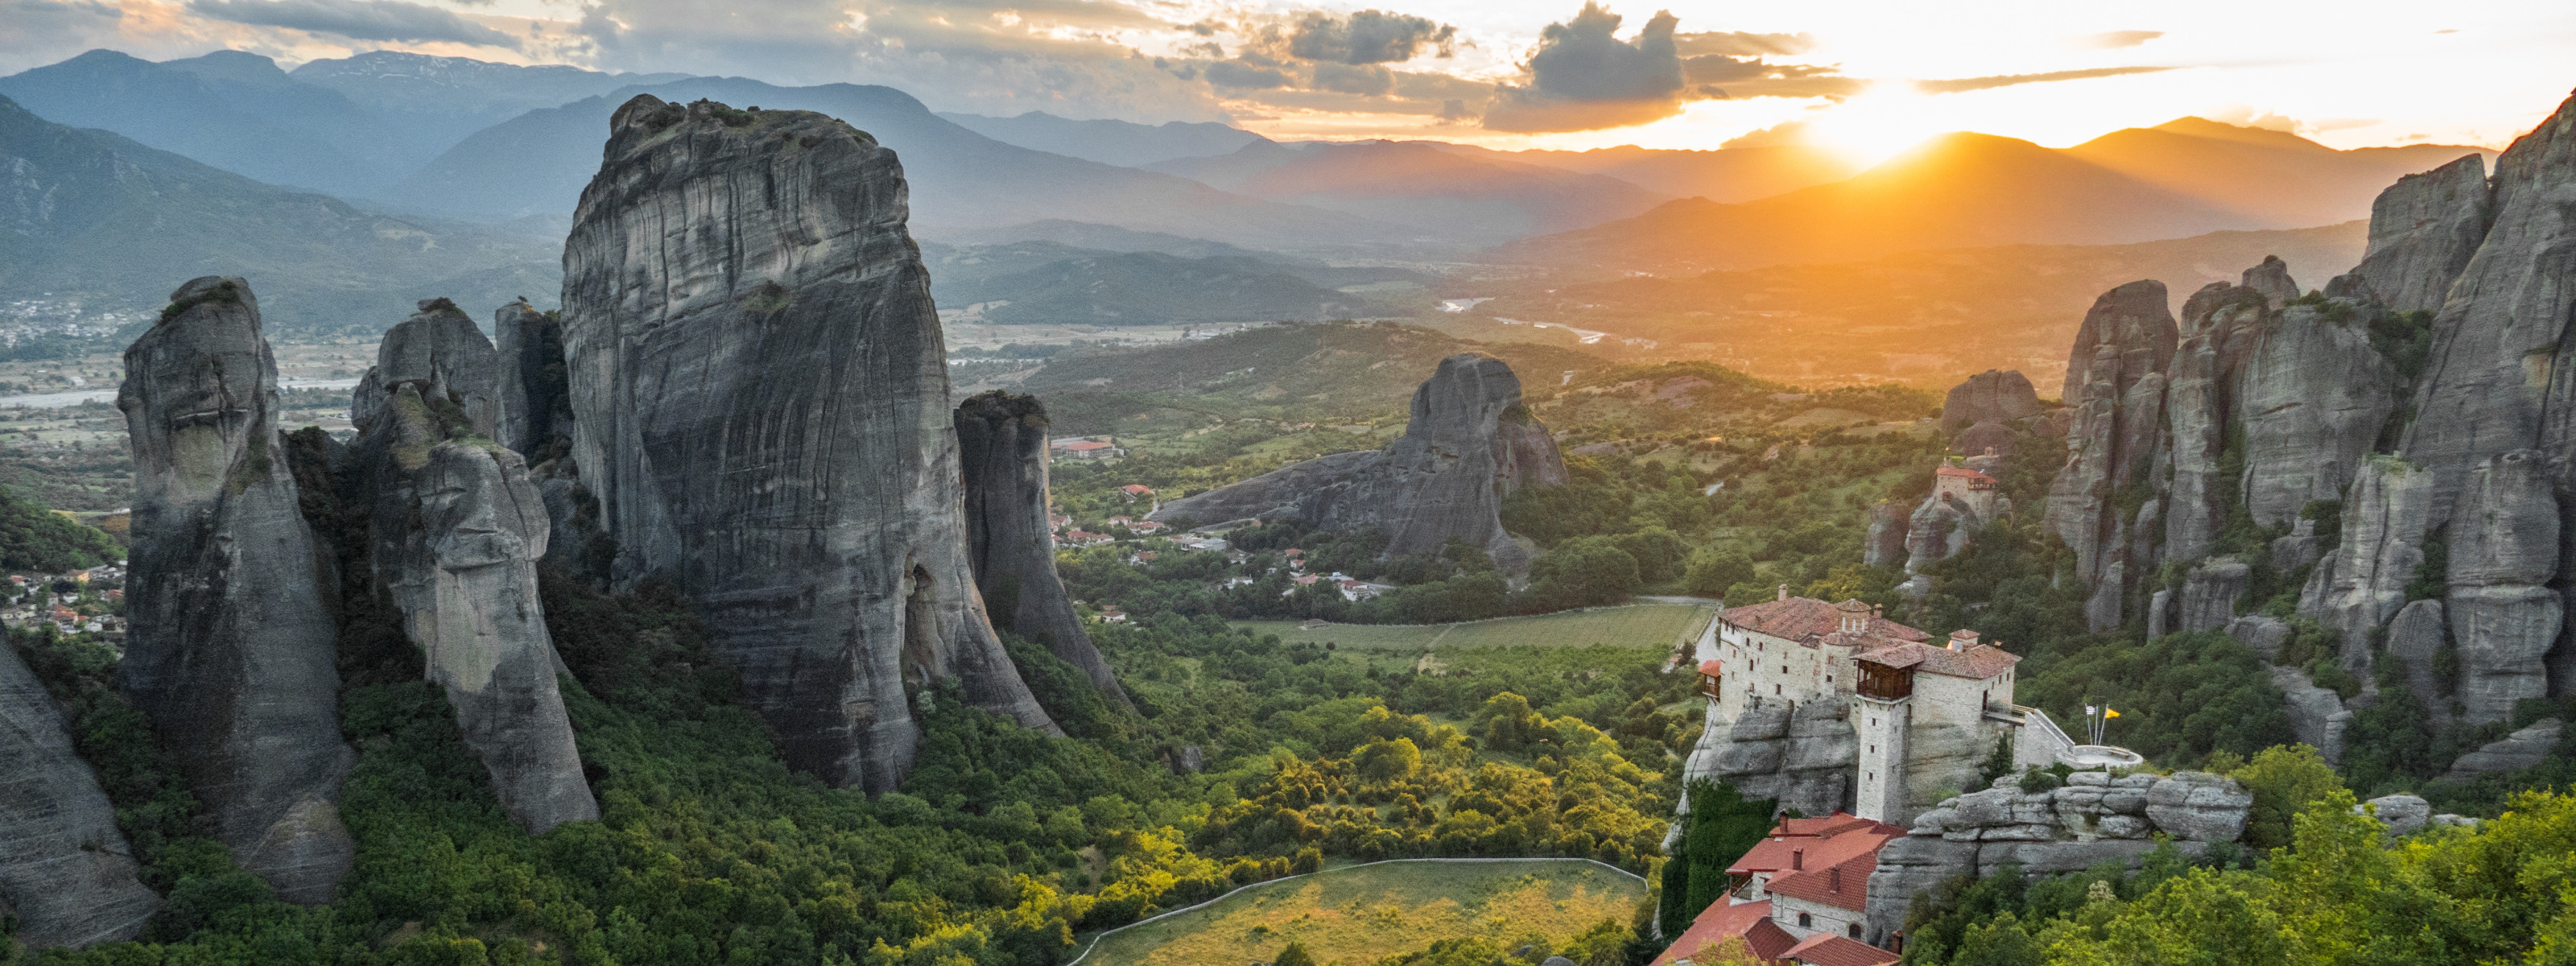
{"x": 536, "y": 412}
{"x": 1469, "y": 443}
{"x": 1002, "y": 447}
{"x": 232, "y": 647}
{"x": 2423, "y": 231}
{"x": 2115, "y": 385}
{"x": 65, "y": 870}
{"x": 458, "y": 531}
{"x": 760, "y": 399}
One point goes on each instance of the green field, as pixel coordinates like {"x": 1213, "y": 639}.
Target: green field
{"x": 1635, "y": 625}
{"x": 1357, "y": 915}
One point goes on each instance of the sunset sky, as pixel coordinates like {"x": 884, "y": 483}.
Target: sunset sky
{"x": 1866, "y": 76}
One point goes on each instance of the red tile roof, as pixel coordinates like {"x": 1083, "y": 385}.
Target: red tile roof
{"x": 1800, "y": 618}
{"x": 1826, "y": 949}
{"x": 1711, "y": 667}
{"x": 1842, "y": 884}
{"x": 1827, "y": 826}
{"x": 1966, "y": 474}
{"x": 1780, "y": 852}
{"x": 1720, "y": 922}
{"x": 1976, "y": 663}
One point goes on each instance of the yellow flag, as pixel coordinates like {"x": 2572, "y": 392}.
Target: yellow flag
{"x": 2108, "y": 713}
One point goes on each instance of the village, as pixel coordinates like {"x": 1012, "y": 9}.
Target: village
{"x": 75, "y": 602}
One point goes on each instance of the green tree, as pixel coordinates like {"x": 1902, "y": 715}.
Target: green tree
{"x": 2286, "y": 780}
{"x": 1712, "y": 571}
{"x": 1582, "y": 572}
{"x": 1294, "y": 955}
{"x": 1723, "y": 826}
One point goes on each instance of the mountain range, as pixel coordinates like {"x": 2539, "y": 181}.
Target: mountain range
{"x": 1124, "y": 143}
{"x": 1962, "y": 190}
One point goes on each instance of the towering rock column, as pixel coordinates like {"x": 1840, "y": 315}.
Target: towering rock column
{"x": 232, "y": 647}
{"x": 1002, "y": 447}
{"x": 2423, "y": 229}
{"x": 458, "y": 531}
{"x": 65, "y": 870}
{"x": 2101, "y": 503}
{"x": 760, "y": 393}
{"x": 2503, "y": 549}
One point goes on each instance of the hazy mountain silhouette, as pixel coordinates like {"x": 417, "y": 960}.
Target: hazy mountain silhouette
{"x": 538, "y": 162}
{"x": 98, "y": 214}
{"x": 1439, "y": 194}
{"x": 1109, "y": 142}
{"x": 2282, "y": 180}
{"x": 1727, "y": 175}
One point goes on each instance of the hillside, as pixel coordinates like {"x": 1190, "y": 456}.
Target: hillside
{"x": 538, "y": 163}
{"x": 1435, "y": 193}
{"x": 101, "y": 215}
{"x": 1044, "y": 282}
{"x": 1726, "y": 175}
{"x": 1927, "y": 318}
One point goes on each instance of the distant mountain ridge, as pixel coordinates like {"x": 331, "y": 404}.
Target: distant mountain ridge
{"x": 1725, "y": 175}
{"x": 92, "y": 212}
{"x": 1440, "y": 194}
{"x": 1962, "y": 190}
{"x": 1123, "y": 143}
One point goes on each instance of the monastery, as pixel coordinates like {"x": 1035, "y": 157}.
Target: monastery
{"x": 1925, "y": 715}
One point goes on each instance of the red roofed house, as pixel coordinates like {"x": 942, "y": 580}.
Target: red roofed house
{"x": 1825, "y": 949}
{"x": 1967, "y": 486}
{"x": 1923, "y": 713}
{"x": 1133, "y": 492}
{"x": 1087, "y": 449}
{"x": 1749, "y": 921}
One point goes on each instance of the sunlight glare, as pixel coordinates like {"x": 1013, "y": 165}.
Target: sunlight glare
{"x": 1878, "y": 124}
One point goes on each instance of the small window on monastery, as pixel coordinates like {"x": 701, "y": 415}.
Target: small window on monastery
{"x": 1873, "y": 749}
{"x": 1775, "y": 689}
{"x": 1853, "y": 930}
{"x": 1829, "y": 679}
{"x": 1806, "y": 921}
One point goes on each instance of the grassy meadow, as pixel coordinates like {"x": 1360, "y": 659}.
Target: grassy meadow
{"x": 1634, "y": 625}
{"x": 1356, "y": 915}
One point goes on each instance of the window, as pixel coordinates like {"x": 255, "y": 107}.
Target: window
{"x": 1805, "y": 920}
{"x": 1873, "y": 749}
{"x": 1853, "y": 930}
{"x": 1775, "y": 689}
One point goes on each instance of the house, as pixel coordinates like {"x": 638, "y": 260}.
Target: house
{"x": 1111, "y": 615}
{"x": 1828, "y": 950}
{"x": 1145, "y": 528}
{"x": 1359, "y": 590}
{"x": 1085, "y": 449}
{"x": 1142, "y": 557}
{"x": 1913, "y": 701}
{"x": 1203, "y": 544}
{"x": 1083, "y": 538}
{"x": 1975, "y": 490}
{"x": 1797, "y": 845}
{"x": 1058, "y": 521}
{"x": 1721, "y": 921}
{"x": 1133, "y": 492}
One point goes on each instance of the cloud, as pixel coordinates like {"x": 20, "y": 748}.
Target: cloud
{"x": 1582, "y": 77}
{"x": 1743, "y": 77}
{"x": 2113, "y": 40}
{"x": 1740, "y": 44}
{"x": 1964, "y": 84}
{"x": 357, "y": 19}
{"x": 1369, "y": 37}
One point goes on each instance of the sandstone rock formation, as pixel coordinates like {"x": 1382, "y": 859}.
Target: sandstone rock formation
{"x": 2315, "y": 396}
{"x": 231, "y": 646}
{"x": 760, "y": 398}
{"x": 2362, "y": 584}
{"x": 1002, "y": 447}
{"x": 2317, "y": 715}
{"x": 2503, "y": 549}
{"x": 2423, "y": 230}
{"x": 2094, "y": 818}
{"x": 2416, "y": 637}
{"x": 458, "y": 530}
{"x": 1884, "y": 545}
{"x": 1992, "y": 396}
{"x": 2210, "y": 593}
{"x": 2515, "y": 752}
{"x": 65, "y": 870}
{"x": 1802, "y": 758}
{"x": 2402, "y": 814}
{"x": 2115, "y": 384}
{"x": 536, "y": 412}
{"x": 1469, "y": 444}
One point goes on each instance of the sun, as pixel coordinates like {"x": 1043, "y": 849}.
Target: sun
{"x": 1878, "y": 124}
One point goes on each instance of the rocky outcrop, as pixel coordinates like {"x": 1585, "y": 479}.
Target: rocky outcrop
{"x": 2115, "y": 384}
{"x": 2211, "y": 593}
{"x": 1469, "y": 443}
{"x": 2503, "y": 548}
{"x": 2315, "y": 397}
{"x": 2317, "y": 715}
{"x": 2401, "y": 814}
{"x": 1002, "y": 447}
{"x": 2515, "y": 752}
{"x": 760, "y": 402}
{"x": 2415, "y": 639}
{"x": 65, "y": 870}
{"x": 1993, "y": 396}
{"x": 458, "y": 530}
{"x": 1943, "y": 527}
{"x": 231, "y": 646}
{"x": 2094, "y": 818}
{"x": 1802, "y": 758}
{"x": 2219, "y": 323}
{"x": 2423, "y": 230}
{"x": 2359, "y": 586}
{"x": 1889, "y": 528}
{"x": 536, "y": 410}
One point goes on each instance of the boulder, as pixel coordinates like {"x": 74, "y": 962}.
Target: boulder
{"x": 2423, "y": 230}
{"x": 2401, "y": 814}
{"x": 458, "y": 529}
{"x": 1908, "y": 865}
{"x": 2515, "y": 752}
{"x": 2317, "y": 715}
{"x": 1993, "y": 396}
{"x": 1468, "y": 444}
{"x": 231, "y": 650}
{"x": 2272, "y": 279}
{"x": 1939, "y": 530}
{"x": 771, "y": 431}
{"x": 1002, "y": 447}
{"x": 65, "y": 869}
{"x": 2264, "y": 635}
{"x": 2199, "y": 806}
